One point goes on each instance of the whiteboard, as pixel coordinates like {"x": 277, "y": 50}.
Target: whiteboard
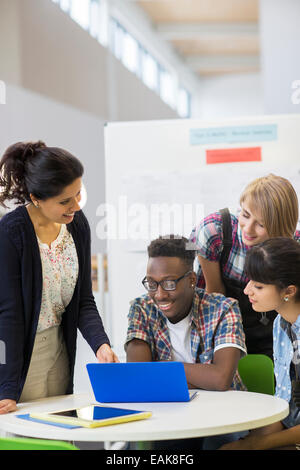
{"x": 158, "y": 182}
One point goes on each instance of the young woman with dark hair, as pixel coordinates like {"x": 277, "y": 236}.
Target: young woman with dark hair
{"x": 45, "y": 269}
{"x": 273, "y": 268}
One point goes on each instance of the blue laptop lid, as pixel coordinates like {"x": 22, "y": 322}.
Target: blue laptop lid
{"x": 138, "y": 382}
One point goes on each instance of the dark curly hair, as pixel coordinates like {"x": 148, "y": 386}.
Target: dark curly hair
{"x": 173, "y": 246}
{"x": 33, "y": 168}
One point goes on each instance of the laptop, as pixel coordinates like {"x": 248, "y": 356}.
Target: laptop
{"x": 139, "y": 382}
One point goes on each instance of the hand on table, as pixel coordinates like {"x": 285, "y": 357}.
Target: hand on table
{"x": 106, "y": 354}
{"x": 7, "y": 406}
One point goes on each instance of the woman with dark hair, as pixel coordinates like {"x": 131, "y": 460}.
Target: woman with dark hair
{"x": 45, "y": 269}
{"x": 273, "y": 268}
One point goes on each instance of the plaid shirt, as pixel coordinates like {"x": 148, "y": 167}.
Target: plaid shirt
{"x": 208, "y": 237}
{"x": 215, "y": 323}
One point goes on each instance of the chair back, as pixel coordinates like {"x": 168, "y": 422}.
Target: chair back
{"x": 20, "y": 443}
{"x": 257, "y": 373}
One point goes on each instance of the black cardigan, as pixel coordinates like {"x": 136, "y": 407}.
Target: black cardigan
{"x": 20, "y": 299}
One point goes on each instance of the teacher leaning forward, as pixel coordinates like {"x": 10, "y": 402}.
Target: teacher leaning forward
{"x": 45, "y": 272}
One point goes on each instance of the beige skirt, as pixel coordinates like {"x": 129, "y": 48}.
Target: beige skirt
{"x": 48, "y": 373}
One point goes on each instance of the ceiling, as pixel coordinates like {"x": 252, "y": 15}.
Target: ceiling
{"x": 213, "y": 37}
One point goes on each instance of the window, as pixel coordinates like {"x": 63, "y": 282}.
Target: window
{"x": 130, "y": 53}
{"x": 184, "y": 103}
{"x": 95, "y": 19}
{"x": 125, "y": 47}
{"x": 65, "y": 5}
{"x": 80, "y": 12}
{"x": 117, "y": 39}
{"x": 149, "y": 70}
{"x": 167, "y": 87}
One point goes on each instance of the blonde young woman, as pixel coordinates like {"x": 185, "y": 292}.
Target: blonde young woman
{"x": 269, "y": 208}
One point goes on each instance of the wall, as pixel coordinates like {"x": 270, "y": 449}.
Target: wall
{"x": 10, "y": 57}
{"x": 129, "y": 99}
{"x": 280, "y": 46}
{"x": 52, "y": 55}
{"x": 230, "y": 96}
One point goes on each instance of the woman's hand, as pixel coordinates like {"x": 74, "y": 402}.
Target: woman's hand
{"x": 106, "y": 354}
{"x": 7, "y": 406}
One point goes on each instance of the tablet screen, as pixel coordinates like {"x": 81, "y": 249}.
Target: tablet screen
{"x": 94, "y": 412}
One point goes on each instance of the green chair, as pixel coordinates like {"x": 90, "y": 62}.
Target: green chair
{"x": 257, "y": 373}
{"x": 20, "y": 443}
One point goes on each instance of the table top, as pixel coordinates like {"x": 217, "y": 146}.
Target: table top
{"x": 209, "y": 413}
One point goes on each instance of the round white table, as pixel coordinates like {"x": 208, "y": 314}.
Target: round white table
{"x": 209, "y": 413}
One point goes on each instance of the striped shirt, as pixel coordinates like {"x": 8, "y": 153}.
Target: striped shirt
{"x": 215, "y": 323}
{"x": 208, "y": 238}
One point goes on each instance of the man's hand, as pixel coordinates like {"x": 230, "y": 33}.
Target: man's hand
{"x": 106, "y": 354}
{"x": 7, "y": 406}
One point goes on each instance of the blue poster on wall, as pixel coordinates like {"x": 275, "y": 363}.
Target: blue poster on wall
{"x": 233, "y": 134}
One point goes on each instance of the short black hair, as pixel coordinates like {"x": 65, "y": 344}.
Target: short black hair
{"x": 275, "y": 261}
{"x": 173, "y": 246}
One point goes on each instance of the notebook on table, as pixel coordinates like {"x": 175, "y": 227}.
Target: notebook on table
{"x": 139, "y": 382}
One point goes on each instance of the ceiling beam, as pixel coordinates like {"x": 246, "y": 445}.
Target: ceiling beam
{"x": 171, "y": 31}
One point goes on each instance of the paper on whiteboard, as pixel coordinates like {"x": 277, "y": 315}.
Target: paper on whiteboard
{"x": 174, "y": 202}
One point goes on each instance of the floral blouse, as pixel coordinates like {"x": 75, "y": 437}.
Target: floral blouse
{"x": 60, "y": 272}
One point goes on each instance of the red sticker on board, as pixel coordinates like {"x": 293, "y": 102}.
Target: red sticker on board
{"x": 250, "y": 154}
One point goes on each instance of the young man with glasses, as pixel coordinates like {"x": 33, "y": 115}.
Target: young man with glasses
{"x": 176, "y": 321}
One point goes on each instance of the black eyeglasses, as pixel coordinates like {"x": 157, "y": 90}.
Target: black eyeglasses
{"x": 166, "y": 284}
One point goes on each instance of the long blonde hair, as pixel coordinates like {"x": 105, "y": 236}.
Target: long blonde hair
{"x": 276, "y": 199}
